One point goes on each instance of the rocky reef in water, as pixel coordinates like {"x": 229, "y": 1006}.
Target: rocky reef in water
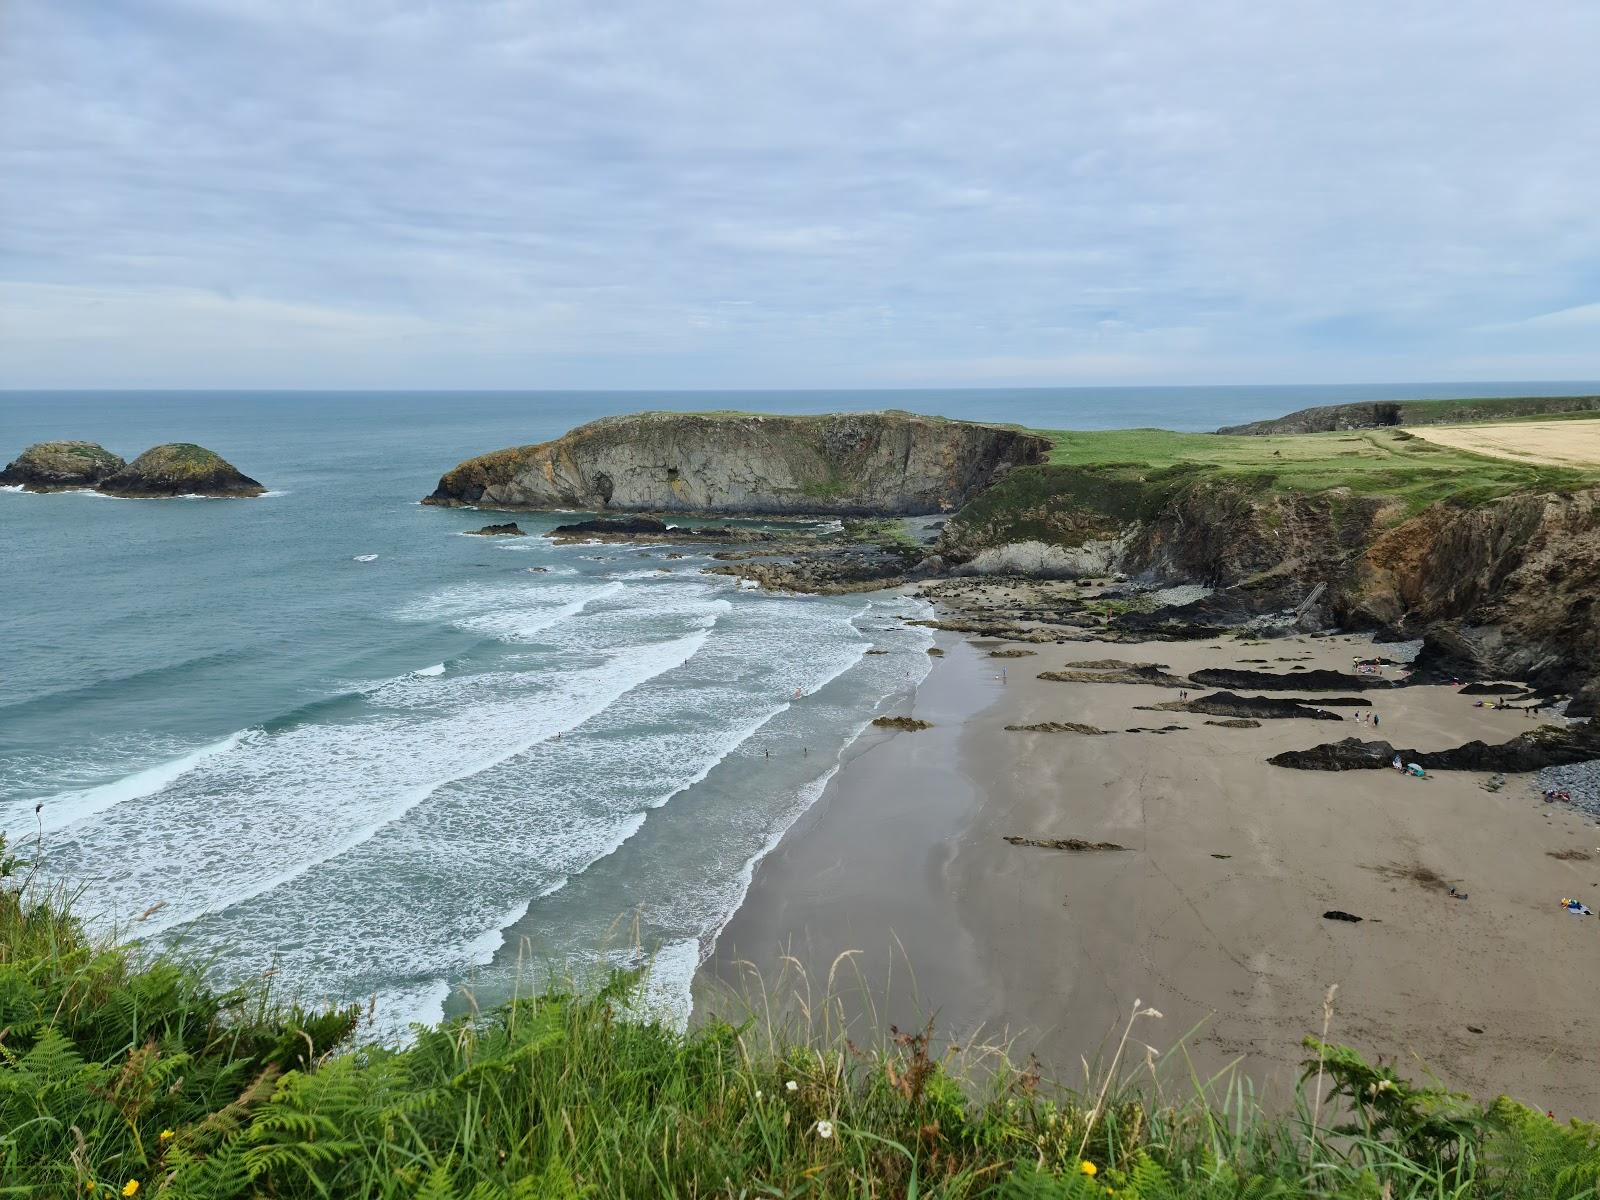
{"x": 843, "y": 464}
{"x": 179, "y": 469}
{"x": 61, "y": 466}
{"x": 173, "y": 469}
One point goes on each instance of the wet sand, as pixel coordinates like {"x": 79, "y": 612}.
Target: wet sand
{"x": 1213, "y": 913}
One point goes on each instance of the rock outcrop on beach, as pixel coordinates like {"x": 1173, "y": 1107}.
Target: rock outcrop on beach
{"x": 888, "y": 463}
{"x": 1227, "y": 704}
{"x": 179, "y": 469}
{"x": 60, "y": 466}
{"x": 1547, "y": 746}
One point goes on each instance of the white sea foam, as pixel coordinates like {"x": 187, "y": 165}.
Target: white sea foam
{"x": 664, "y": 994}
{"x": 12, "y": 487}
{"x": 68, "y": 808}
{"x": 365, "y": 558}
{"x": 280, "y": 824}
{"x": 430, "y": 672}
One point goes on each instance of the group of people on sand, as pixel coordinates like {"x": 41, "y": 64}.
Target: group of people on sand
{"x": 1557, "y": 796}
{"x": 1367, "y": 718}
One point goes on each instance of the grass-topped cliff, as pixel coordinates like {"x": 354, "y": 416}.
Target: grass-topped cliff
{"x": 1369, "y": 414}
{"x": 843, "y": 464}
{"x": 1500, "y": 558}
{"x": 128, "y": 1075}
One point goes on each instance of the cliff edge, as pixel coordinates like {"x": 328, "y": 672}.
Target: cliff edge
{"x": 842, "y": 464}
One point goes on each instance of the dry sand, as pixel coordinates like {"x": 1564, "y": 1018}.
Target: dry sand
{"x": 1559, "y": 443}
{"x": 904, "y": 859}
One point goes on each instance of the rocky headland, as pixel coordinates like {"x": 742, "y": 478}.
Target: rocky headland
{"x": 847, "y": 464}
{"x": 173, "y": 469}
{"x": 1119, "y": 536}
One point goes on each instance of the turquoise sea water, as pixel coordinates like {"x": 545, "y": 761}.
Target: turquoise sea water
{"x": 460, "y": 760}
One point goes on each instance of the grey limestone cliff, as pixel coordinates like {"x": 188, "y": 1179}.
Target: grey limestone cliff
{"x": 887, "y": 463}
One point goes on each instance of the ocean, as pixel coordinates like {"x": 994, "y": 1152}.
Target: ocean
{"x": 326, "y": 735}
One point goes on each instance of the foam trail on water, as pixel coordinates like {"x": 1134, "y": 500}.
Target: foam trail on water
{"x": 68, "y": 808}
{"x": 587, "y": 694}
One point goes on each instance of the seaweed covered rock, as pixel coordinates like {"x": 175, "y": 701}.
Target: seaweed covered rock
{"x": 179, "y": 469}
{"x": 510, "y": 529}
{"x": 1319, "y": 680}
{"x": 1547, "y": 746}
{"x": 1227, "y": 704}
{"x": 58, "y": 466}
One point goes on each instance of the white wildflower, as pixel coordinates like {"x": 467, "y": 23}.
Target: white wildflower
{"x": 792, "y": 1086}
{"x": 824, "y": 1129}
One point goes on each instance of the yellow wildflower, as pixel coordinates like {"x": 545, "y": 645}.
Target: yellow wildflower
{"x": 167, "y": 1135}
{"x": 131, "y": 1188}
{"x": 89, "y": 1185}
{"x": 1088, "y": 1168}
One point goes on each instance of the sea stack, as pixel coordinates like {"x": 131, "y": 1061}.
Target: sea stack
{"x": 61, "y": 466}
{"x": 179, "y": 469}
{"x": 840, "y": 464}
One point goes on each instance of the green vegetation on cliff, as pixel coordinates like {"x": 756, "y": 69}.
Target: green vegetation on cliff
{"x": 1387, "y": 463}
{"x": 126, "y": 1074}
{"x": 1370, "y": 414}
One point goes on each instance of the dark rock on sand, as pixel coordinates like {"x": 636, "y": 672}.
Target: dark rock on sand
{"x": 1011, "y": 653}
{"x": 1149, "y": 675}
{"x": 59, "y": 466}
{"x": 1062, "y": 843}
{"x": 1059, "y": 727}
{"x": 904, "y": 724}
{"x": 1547, "y": 746}
{"x": 511, "y": 529}
{"x": 1226, "y": 704}
{"x": 1337, "y": 914}
{"x": 1267, "y": 681}
{"x": 1236, "y": 723}
{"x": 1492, "y": 689}
{"x": 179, "y": 469}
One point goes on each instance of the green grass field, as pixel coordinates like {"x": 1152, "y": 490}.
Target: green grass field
{"x": 1386, "y": 462}
{"x": 126, "y": 1075}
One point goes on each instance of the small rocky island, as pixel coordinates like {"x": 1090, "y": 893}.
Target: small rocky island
{"x": 61, "y": 466}
{"x": 173, "y": 469}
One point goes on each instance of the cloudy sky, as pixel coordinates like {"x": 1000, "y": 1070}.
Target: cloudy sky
{"x": 753, "y": 193}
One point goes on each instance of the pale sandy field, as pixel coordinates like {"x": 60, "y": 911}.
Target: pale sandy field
{"x": 1213, "y": 913}
{"x": 1558, "y": 443}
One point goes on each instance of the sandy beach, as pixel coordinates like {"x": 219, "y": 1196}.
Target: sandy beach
{"x": 1213, "y": 911}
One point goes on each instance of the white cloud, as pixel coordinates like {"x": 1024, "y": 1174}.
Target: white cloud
{"x": 728, "y": 194}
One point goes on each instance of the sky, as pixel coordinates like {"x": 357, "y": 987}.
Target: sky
{"x": 834, "y": 193}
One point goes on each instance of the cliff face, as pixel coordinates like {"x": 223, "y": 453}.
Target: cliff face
{"x": 1509, "y": 586}
{"x": 55, "y": 466}
{"x": 849, "y": 464}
